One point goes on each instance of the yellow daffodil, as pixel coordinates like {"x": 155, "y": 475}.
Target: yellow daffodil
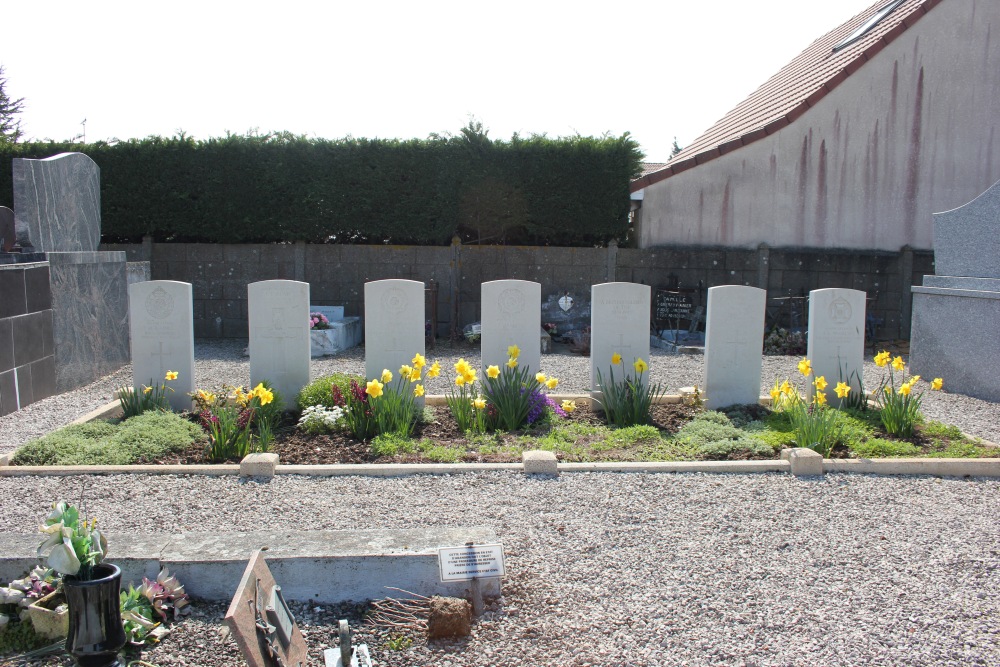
{"x": 405, "y": 371}
{"x": 512, "y": 362}
{"x": 616, "y": 359}
{"x": 493, "y": 372}
{"x": 146, "y": 389}
{"x": 386, "y": 375}
{"x": 786, "y": 388}
{"x": 459, "y": 380}
{"x": 640, "y": 366}
{"x": 171, "y": 375}
{"x": 470, "y": 377}
{"x": 374, "y": 388}
{"x": 513, "y": 352}
{"x": 775, "y": 393}
{"x": 842, "y": 389}
{"x": 936, "y": 383}
{"x": 898, "y": 363}
{"x": 552, "y": 383}
{"x": 434, "y": 371}
{"x": 540, "y": 378}
{"x": 805, "y": 367}
{"x": 905, "y": 389}
{"x": 479, "y": 403}
{"x": 414, "y": 375}
{"x": 263, "y": 395}
{"x": 418, "y": 361}
{"x": 887, "y": 390}
{"x": 914, "y": 379}
{"x": 568, "y": 406}
{"x": 418, "y": 391}
{"x": 820, "y": 398}
{"x": 882, "y": 358}
{"x": 462, "y": 367}
{"x": 821, "y": 383}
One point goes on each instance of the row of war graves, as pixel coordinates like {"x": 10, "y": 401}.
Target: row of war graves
{"x": 163, "y": 337}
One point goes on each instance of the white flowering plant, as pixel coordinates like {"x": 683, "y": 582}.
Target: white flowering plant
{"x": 319, "y": 419}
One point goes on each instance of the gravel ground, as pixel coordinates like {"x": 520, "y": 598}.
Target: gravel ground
{"x": 613, "y": 569}
{"x": 222, "y": 361}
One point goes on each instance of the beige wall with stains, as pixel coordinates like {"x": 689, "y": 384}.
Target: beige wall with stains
{"x": 913, "y": 132}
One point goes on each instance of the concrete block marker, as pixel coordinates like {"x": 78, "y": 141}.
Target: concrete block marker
{"x": 805, "y": 462}
{"x": 537, "y": 462}
{"x": 258, "y": 465}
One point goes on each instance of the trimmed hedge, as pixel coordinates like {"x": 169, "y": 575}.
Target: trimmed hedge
{"x": 284, "y": 188}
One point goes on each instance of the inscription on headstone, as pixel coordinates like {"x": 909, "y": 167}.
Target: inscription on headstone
{"x": 836, "y": 341}
{"x": 512, "y": 315}
{"x": 619, "y": 325}
{"x": 734, "y": 343}
{"x": 394, "y": 324}
{"x": 279, "y": 335}
{"x": 162, "y": 330}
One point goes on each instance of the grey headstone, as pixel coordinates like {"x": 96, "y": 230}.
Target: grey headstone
{"x": 836, "y": 343}
{"x": 734, "y": 342}
{"x": 57, "y": 203}
{"x": 619, "y": 324}
{"x": 279, "y": 335}
{"x": 394, "y": 325}
{"x": 512, "y": 315}
{"x": 967, "y": 239}
{"x": 162, "y": 330}
{"x": 6, "y": 229}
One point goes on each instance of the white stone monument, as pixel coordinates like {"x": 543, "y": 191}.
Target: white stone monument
{"x": 162, "y": 330}
{"x": 619, "y": 324}
{"x": 734, "y": 345}
{"x": 278, "y": 311}
{"x": 394, "y": 325}
{"x": 512, "y": 315}
{"x": 836, "y": 342}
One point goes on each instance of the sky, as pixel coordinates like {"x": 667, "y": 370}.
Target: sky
{"x": 657, "y": 69}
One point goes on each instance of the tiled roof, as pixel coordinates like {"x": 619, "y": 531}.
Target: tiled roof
{"x": 650, "y": 167}
{"x": 797, "y": 87}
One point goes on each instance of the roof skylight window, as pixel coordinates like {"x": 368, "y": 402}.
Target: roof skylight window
{"x": 868, "y": 25}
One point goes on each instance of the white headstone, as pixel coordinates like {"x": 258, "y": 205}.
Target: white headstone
{"x": 836, "y": 342}
{"x": 394, "y": 325}
{"x": 619, "y": 324}
{"x": 278, "y": 311}
{"x": 512, "y": 315}
{"x": 162, "y": 330}
{"x": 734, "y": 345}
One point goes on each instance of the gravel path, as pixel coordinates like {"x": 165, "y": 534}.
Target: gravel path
{"x": 613, "y": 569}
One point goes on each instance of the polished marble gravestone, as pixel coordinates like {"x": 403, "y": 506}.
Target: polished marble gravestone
{"x": 57, "y": 203}
{"x": 619, "y": 324}
{"x": 162, "y": 331}
{"x": 512, "y": 315}
{"x": 6, "y": 229}
{"x": 836, "y": 339}
{"x": 278, "y": 312}
{"x": 734, "y": 345}
{"x": 956, "y": 313}
{"x": 394, "y": 325}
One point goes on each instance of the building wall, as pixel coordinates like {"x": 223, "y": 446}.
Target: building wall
{"x": 913, "y": 132}
{"x": 27, "y": 361}
{"x": 220, "y": 274}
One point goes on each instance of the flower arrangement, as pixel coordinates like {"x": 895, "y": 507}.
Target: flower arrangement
{"x": 74, "y": 544}
{"x": 626, "y": 401}
{"x": 814, "y": 423}
{"x": 152, "y": 397}
{"x": 358, "y": 415}
{"x": 318, "y": 321}
{"x": 467, "y": 406}
{"x": 19, "y": 594}
{"x": 512, "y": 393}
{"x": 899, "y": 407}
{"x": 238, "y": 422}
{"x": 144, "y": 609}
{"x": 318, "y": 419}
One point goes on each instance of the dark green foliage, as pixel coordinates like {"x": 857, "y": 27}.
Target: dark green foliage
{"x": 284, "y": 188}
{"x": 318, "y": 391}
{"x": 20, "y": 637}
{"x": 10, "y": 128}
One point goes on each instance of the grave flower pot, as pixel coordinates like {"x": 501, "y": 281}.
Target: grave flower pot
{"x": 49, "y": 615}
{"x": 95, "y": 622}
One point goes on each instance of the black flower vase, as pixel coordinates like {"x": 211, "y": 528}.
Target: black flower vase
{"x": 95, "y": 619}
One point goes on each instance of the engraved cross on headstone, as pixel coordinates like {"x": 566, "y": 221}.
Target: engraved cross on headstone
{"x": 735, "y": 345}
{"x": 161, "y": 364}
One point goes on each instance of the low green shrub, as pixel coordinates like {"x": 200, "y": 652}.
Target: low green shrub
{"x": 875, "y": 448}
{"x": 722, "y": 449}
{"x": 141, "y": 438}
{"x": 392, "y": 444}
{"x": 705, "y": 428}
{"x": 318, "y": 392}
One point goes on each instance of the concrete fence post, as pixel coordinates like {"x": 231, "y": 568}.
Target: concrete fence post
{"x": 763, "y": 264}
{"x": 906, "y": 294}
{"x": 612, "y": 260}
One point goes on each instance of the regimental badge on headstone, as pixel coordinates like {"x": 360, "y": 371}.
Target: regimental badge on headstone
{"x": 261, "y": 622}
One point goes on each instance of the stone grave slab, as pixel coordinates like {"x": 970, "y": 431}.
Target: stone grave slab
{"x": 6, "y": 229}
{"x": 512, "y": 315}
{"x": 836, "y": 340}
{"x": 162, "y": 330}
{"x": 967, "y": 239}
{"x": 394, "y": 324}
{"x": 258, "y": 602}
{"x": 734, "y": 345}
{"x": 57, "y": 203}
{"x": 278, "y": 312}
{"x": 619, "y": 323}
